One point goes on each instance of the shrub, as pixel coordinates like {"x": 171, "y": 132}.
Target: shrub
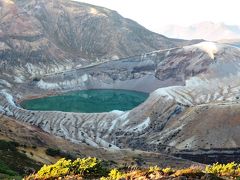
{"x": 230, "y": 169}
{"x": 88, "y": 167}
{"x": 4, "y": 169}
{"x": 153, "y": 169}
{"x": 85, "y": 167}
{"x": 57, "y": 152}
{"x": 59, "y": 169}
{"x": 168, "y": 171}
{"x": 113, "y": 175}
{"x": 53, "y": 152}
{"x": 8, "y": 145}
{"x": 189, "y": 172}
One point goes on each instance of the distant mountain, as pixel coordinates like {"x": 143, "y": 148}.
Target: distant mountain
{"x": 45, "y": 36}
{"x": 204, "y": 30}
{"x": 233, "y": 42}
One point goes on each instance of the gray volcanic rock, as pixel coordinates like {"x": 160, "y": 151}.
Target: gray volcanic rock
{"x": 31, "y": 136}
{"x": 42, "y": 36}
{"x": 190, "y": 83}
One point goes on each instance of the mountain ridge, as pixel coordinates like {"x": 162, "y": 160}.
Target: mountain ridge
{"x": 205, "y": 30}
{"x": 43, "y": 36}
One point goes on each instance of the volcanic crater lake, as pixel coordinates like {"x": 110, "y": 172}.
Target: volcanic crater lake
{"x": 88, "y": 101}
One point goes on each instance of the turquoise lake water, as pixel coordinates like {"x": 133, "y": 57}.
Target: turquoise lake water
{"x": 88, "y": 101}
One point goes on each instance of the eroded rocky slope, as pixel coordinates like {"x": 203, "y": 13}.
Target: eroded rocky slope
{"x": 34, "y": 142}
{"x": 195, "y": 101}
{"x": 39, "y": 37}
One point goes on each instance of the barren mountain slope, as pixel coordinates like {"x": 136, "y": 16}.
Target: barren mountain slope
{"x": 36, "y": 142}
{"x": 48, "y": 36}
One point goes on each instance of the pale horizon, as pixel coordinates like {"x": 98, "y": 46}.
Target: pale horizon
{"x": 156, "y": 14}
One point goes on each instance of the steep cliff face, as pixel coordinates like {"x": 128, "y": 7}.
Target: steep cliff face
{"x": 40, "y": 36}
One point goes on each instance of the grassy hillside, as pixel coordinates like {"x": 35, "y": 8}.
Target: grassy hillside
{"x": 14, "y": 164}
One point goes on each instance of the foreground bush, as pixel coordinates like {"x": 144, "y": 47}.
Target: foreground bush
{"x": 86, "y": 167}
{"x": 92, "y": 168}
{"x": 231, "y": 169}
{"x": 114, "y": 175}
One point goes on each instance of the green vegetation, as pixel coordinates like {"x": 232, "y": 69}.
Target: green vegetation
{"x": 4, "y": 169}
{"x": 114, "y": 174}
{"x": 53, "y": 152}
{"x": 168, "y": 171}
{"x": 86, "y": 167}
{"x": 57, "y": 152}
{"x": 14, "y": 164}
{"x": 231, "y": 169}
{"x": 92, "y": 168}
{"x": 153, "y": 169}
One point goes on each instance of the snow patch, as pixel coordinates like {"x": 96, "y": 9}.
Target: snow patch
{"x": 115, "y": 57}
{"x": 8, "y": 97}
{"x": 5, "y": 83}
{"x": 210, "y": 48}
{"x": 84, "y": 77}
{"x": 30, "y": 68}
{"x": 18, "y": 79}
{"x": 141, "y": 126}
{"x": 3, "y": 46}
{"x": 45, "y": 85}
{"x": 194, "y": 81}
{"x": 164, "y": 92}
{"x": 177, "y": 93}
{"x": 9, "y": 2}
{"x": 95, "y": 12}
{"x": 117, "y": 112}
{"x": 123, "y": 117}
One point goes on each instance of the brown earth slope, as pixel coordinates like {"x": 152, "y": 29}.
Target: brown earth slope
{"x": 34, "y": 143}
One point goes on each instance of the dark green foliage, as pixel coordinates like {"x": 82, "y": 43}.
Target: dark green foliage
{"x": 53, "y": 152}
{"x": 4, "y": 169}
{"x": 13, "y": 162}
{"x": 57, "y": 152}
{"x": 4, "y": 145}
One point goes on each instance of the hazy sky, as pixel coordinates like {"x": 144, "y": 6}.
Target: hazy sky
{"x": 156, "y": 13}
